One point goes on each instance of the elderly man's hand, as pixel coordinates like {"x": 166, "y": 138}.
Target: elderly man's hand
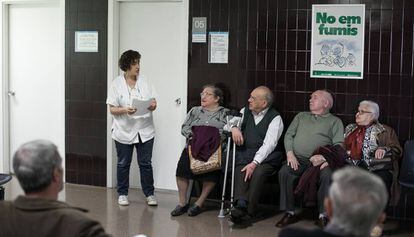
{"x": 317, "y": 160}
{"x": 379, "y": 153}
{"x": 237, "y": 136}
{"x": 325, "y": 164}
{"x": 292, "y": 161}
{"x": 249, "y": 170}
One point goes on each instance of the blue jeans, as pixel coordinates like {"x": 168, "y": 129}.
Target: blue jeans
{"x": 144, "y": 155}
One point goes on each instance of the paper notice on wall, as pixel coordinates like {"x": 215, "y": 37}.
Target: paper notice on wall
{"x": 218, "y": 47}
{"x": 199, "y": 30}
{"x": 86, "y": 41}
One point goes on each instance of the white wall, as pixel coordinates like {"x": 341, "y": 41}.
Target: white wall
{"x": 56, "y": 115}
{"x": 158, "y": 30}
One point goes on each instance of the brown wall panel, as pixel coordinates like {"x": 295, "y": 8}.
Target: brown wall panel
{"x": 86, "y": 88}
{"x": 269, "y": 45}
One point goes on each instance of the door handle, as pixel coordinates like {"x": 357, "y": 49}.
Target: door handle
{"x": 11, "y": 93}
{"x": 178, "y": 101}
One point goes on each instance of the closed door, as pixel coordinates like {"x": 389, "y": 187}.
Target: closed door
{"x": 36, "y": 76}
{"x": 158, "y": 30}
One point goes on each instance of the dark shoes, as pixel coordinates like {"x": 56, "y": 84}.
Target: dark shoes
{"x": 194, "y": 210}
{"x": 322, "y": 222}
{"x": 179, "y": 210}
{"x": 287, "y": 219}
{"x": 238, "y": 214}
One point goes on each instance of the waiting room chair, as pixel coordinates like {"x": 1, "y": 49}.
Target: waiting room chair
{"x": 406, "y": 178}
{"x": 4, "y": 178}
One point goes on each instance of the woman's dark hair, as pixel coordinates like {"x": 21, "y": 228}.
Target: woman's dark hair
{"x": 128, "y": 58}
{"x": 216, "y": 91}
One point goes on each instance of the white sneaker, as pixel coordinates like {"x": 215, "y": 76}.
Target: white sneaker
{"x": 123, "y": 200}
{"x": 151, "y": 201}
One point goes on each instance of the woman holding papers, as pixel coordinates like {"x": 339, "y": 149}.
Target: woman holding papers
{"x": 131, "y": 100}
{"x": 209, "y": 114}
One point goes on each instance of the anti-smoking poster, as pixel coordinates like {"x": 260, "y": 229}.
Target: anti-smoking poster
{"x": 338, "y": 41}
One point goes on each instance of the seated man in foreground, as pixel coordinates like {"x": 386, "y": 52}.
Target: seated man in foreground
{"x": 355, "y": 205}
{"x": 38, "y": 167}
{"x": 257, "y": 154}
{"x": 308, "y": 132}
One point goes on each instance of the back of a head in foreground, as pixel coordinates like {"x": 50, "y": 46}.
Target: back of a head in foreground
{"x": 34, "y": 163}
{"x": 358, "y": 199}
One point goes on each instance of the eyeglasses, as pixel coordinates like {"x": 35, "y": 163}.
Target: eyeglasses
{"x": 363, "y": 112}
{"x": 205, "y": 94}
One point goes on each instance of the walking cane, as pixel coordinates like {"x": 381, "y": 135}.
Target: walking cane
{"x": 221, "y": 214}
{"x": 233, "y": 166}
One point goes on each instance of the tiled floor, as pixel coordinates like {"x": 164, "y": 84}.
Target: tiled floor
{"x": 138, "y": 218}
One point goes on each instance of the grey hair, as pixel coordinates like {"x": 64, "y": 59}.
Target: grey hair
{"x": 373, "y": 106}
{"x": 216, "y": 91}
{"x": 358, "y": 200}
{"x": 328, "y": 96}
{"x": 34, "y": 163}
{"x": 268, "y": 96}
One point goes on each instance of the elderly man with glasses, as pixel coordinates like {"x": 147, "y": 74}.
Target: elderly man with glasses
{"x": 258, "y": 154}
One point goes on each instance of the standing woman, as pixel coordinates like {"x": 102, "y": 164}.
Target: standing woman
{"x": 130, "y": 130}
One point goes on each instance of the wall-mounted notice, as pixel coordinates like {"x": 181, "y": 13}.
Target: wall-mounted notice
{"x": 86, "y": 41}
{"x": 199, "y": 30}
{"x": 218, "y": 47}
{"x": 338, "y": 41}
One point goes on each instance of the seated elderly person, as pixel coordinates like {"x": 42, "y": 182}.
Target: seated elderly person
{"x": 258, "y": 154}
{"x": 38, "y": 167}
{"x": 209, "y": 114}
{"x": 354, "y": 204}
{"x": 307, "y": 136}
{"x": 372, "y": 145}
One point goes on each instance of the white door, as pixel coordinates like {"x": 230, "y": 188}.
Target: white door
{"x": 36, "y": 74}
{"x": 158, "y": 30}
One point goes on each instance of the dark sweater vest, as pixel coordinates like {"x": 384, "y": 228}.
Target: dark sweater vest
{"x": 253, "y": 134}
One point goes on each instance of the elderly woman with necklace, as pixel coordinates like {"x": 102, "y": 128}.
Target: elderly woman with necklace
{"x": 211, "y": 114}
{"x": 372, "y": 145}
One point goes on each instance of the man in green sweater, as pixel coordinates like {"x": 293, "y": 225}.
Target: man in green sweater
{"x": 307, "y": 132}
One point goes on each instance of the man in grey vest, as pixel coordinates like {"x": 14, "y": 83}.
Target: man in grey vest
{"x": 258, "y": 154}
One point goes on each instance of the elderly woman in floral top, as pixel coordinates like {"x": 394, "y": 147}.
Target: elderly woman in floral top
{"x": 372, "y": 145}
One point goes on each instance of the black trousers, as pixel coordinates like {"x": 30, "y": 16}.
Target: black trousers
{"x": 251, "y": 189}
{"x": 288, "y": 179}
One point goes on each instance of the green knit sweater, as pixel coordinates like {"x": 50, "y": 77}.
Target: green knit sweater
{"x": 308, "y": 132}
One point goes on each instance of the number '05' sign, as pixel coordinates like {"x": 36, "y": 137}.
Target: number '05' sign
{"x": 199, "y": 29}
{"x": 200, "y": 24}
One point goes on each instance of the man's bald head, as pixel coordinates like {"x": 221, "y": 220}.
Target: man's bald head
{"x": 321, "y": 102}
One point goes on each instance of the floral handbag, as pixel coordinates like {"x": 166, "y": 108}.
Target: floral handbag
{"x": 201, "y": 167}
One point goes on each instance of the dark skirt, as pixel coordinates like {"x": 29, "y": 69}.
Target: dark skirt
{"x": 184, "y": 171}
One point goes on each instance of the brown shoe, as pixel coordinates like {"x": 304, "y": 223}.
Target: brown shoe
{"x": 287, "y": 219}
{"x": 322, "y": 222}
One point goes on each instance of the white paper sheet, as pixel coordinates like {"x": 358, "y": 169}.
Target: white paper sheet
{"x": 141, "y": 106}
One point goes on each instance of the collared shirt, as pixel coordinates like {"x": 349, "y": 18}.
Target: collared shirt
{"x": 127, "y": 129}
{"x": 273, "y": 133}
